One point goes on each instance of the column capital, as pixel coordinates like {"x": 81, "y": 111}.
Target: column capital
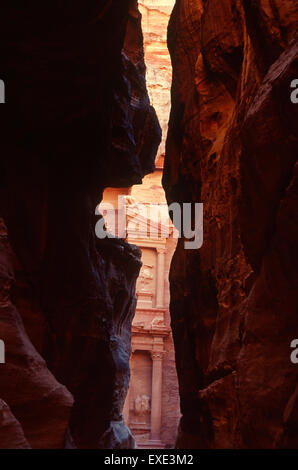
{"x": 160, "y": 250}
{"x": 157, "y": 355}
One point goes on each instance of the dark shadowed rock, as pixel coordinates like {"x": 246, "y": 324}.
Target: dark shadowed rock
{"x": 232, "y": 144}
{"x": 77, "y": 119}
{"x": 11, "y": 433}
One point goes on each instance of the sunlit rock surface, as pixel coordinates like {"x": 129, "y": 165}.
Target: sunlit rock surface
{"x": 155, "y": 19}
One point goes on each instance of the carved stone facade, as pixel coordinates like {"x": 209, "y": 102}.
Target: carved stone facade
{"x": 152, "y": 360}
{"x": 152, "y": 409}
{"x": 152, "y": 405}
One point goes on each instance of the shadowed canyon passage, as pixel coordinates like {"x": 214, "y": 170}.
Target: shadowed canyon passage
{"x": 151, "y": 409}
{"x": 77, "y": 120}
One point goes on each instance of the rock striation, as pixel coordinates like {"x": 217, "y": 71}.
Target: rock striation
{"x": 232, "y": 144}
{"x": 77, "y": 118}
{"x": 155, "y": 19}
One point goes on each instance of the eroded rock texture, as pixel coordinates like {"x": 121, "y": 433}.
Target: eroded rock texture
{"x": 232, "y": 144}
{"x": 12, "y": 436}
{"x": 155, "y": 19}
{"x": 77, "y": 119}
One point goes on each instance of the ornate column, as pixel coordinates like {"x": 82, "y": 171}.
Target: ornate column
{"x": 156, "y": 397}
{"x": 160, "y": 277}
{"x": 126, "y": 409}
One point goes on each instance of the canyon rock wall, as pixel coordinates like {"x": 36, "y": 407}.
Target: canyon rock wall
{"x": 232, "y": 144}
{"x": 77, "y": 118}
{"x": 155, "y": 19}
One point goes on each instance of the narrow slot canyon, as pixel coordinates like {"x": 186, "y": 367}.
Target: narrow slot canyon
{"x": 114, "y": 334}
{"x": 152, "y": 408}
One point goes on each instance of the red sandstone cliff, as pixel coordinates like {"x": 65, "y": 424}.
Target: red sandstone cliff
{"x": 77, "y": 118}
{"x": 155, "y": 19}
{"x": 232, "y": 144}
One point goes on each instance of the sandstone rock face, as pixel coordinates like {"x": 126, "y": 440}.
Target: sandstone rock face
{"x": 232, "y": 144}
{"x": 12, "y": 436}
{"x": 39, "y": 402}
{"x": 77, "y": 119}
{"x": 155, "y": 18}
